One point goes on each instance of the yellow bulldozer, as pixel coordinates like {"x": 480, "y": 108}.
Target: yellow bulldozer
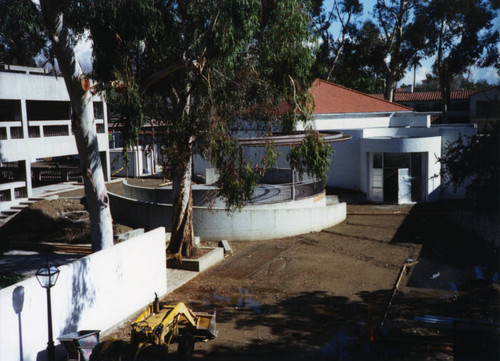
{"x": 157, "y": 328}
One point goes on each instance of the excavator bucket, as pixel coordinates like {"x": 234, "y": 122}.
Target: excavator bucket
{"x": 207, "y": 324}
{"x": 212, "y": 327}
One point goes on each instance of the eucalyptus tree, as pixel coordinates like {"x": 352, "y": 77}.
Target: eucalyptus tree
{"x": 462, "y": 35}
{"x": 362, "y": 63}
{"x": 346, "y": 13}
{"x": 401, "y": 39}
{"x": 21, "y": 39}
{"x": 52, "y": 28}
{"x": 208, "y": 67}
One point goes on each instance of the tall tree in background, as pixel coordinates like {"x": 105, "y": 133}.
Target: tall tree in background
{"x": 24, "y": 30}
{"x": 346, "y": 13}
{"x": 206, "y": 68}
{"x": 462, "y": 31}
{"x": 394, "y": 19}
{"x": 362, "y": 64}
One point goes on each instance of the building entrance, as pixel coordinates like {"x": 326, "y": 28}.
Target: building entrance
{"x": 396, "y": 177}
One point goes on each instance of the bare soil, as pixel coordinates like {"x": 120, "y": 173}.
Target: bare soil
{"x": 326, "y": 295}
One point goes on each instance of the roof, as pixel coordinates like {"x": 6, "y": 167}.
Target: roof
{"x": 331, "y": 98}
{"x": 428, "y": 96}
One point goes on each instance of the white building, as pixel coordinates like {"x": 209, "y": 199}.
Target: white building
{"x": 394, "y": 151}
{"x": 393, "y": 154}
{"x": 35, "y": 125}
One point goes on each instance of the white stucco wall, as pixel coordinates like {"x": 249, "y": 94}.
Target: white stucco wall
{"x": 257, "y": 222}
{"x": 93, "y": 293}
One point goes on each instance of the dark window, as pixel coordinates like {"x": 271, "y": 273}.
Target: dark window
{"x": 16, "y": 133}
{"x": 416, "y": 164}
{"x": 48, "y": 110}
{"x": 98, "y": 110}
{"x": 377, "y": 160}
{"x": 396, "y": 160}
{"x": 488, "y": 109}
{"x": 55, "y": 130}
{"x": 10, "y": 110}
{"x": 459, "y": 105}
{"x": 34, "y": 132}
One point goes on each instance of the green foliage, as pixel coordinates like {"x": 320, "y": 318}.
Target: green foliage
{"x": 312, "y": 156}
{"x": 21, "y": 38}
{"x": 460, "y": 33}
{"x": 7, "y": 279}
{"x": 474, "y": 162}
{"x": 202, "y": 70}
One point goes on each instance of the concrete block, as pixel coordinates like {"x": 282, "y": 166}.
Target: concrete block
{"x": 227, "y": 248}
{"x": 199, "y": 264}
{"x": 130, "y": 234}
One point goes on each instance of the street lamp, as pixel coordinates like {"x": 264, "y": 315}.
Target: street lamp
{"x": 47, "y": 276}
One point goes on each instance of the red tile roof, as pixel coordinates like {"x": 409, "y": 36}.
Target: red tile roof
{"x": 331, "y": 98}
{"x": 429, "y": 96}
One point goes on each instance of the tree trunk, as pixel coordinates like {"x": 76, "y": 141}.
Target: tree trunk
{"x": 84, "y": 128}
{"x": 182, "y": 239}
{"x": 389, "y": 86}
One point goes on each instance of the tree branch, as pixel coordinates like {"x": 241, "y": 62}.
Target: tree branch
{"x": 159, "y": 75}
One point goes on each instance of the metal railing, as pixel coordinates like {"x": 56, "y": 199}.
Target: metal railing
{"x": 277, "y": 193}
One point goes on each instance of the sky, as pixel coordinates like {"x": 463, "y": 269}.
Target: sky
{"x": 84, "y": 53}
{"x": 490, "y": 74}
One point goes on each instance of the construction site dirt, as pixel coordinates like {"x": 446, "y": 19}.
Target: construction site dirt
{"x": 391, "y": 282}
{"x": 345, "y": 293}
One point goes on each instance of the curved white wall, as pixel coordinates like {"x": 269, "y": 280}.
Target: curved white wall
{"x": 252, "y": 223}
{"x": 430, "y": 146}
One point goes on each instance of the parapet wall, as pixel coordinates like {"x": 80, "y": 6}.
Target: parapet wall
{"x": 94, "y": 293}
{"x": 256, "y": 222}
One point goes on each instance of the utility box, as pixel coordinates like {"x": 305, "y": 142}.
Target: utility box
{"x": 80, "y": 344}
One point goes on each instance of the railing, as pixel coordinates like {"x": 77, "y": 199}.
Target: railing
{"x": 5, "y": 196}
{"x": 20, "y": 193}
{"x": 55, "y": 130}
{"x": 16, "y": 133}
{"x": 42, "y": 128}
{"x": 7, "y": 174}
{"x": 56, "y": 174}
{"x": 277, "y": 193}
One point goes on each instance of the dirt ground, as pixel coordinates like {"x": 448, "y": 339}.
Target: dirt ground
{"x": 326, "y": 295}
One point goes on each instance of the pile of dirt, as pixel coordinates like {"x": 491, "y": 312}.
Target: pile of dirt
{"x": 59, "y": 221}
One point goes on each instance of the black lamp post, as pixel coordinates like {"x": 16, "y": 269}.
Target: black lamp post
{"x": 47, "y": 277}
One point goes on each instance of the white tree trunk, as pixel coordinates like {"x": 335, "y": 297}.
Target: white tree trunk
{"x": 84, "y": 128}
{"x": 182, "y": 240}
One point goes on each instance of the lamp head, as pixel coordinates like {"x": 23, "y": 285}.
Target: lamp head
{"x": 47, "y": 275}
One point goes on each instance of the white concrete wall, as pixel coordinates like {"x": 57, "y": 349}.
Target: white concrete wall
{"x": 35, "y": 148}
{"x": 429, "y": 145}
{"x": 257, "y": 222}
{"x": 95, "y": 292}
{"x": 254, "y": 224}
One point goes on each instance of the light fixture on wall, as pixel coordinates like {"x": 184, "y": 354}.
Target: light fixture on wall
{"x": 47, "y": 277}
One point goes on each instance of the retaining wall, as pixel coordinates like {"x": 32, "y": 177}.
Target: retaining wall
{"x": 252, "y": 223}
{"x": 94, "y": 293}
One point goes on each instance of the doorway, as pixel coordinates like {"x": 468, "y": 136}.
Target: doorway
{"x": 401, "y": 175}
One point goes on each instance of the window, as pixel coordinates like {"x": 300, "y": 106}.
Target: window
{"x": 48, "y": 110}
{"x": 396, "y": 160}
{"x": 488, "y": 109}
{"x": 377, "y": 160}
{"x": 98, "y": 110}
{"x": 10, "y": 110}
